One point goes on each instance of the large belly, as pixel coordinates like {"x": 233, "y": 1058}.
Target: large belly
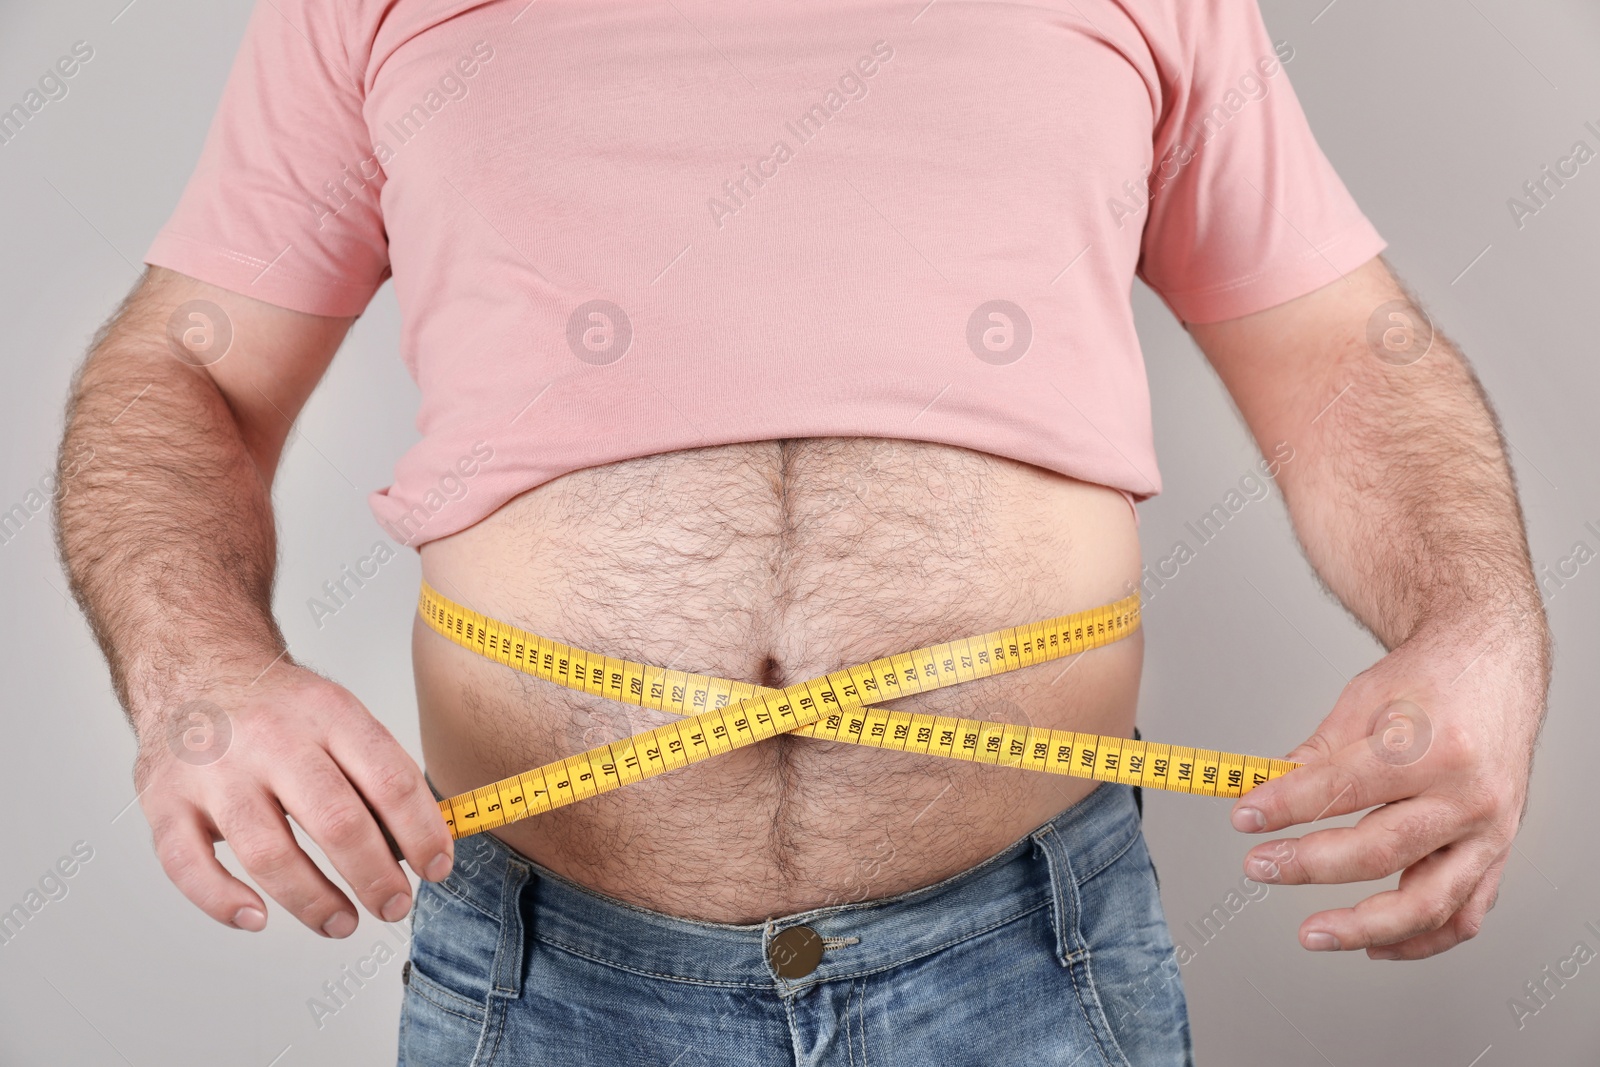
{"x": 774, "y": 562}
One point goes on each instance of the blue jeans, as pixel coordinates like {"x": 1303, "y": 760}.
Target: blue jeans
{"x": 1055, "y": 952}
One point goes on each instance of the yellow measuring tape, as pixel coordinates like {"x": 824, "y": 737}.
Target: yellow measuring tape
{"x": 722, "y": 714}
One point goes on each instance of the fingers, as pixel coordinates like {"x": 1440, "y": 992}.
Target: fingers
{"x": 304, "y": 747}
{"x": 1391, "y": 763}
{"x": 1386, "y": 840}
{"x": 316, "y": 794}
{"x": 184, "y": 845}
{"x": 392, "y": 783}
{"x": 261, "y": 840}
{"x": 1321, "y": 790}
{"x": 1462, "y": 926}
{"x": 1431, "y": 892}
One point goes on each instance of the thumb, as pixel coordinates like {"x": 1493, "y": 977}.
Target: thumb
{"x": 1360, "y": 712}
{"x": 1396, "y": 728}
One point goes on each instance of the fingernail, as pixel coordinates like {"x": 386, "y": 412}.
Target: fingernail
{"x": 343, "y": 924}
{"x": 252, "y": 919}
{"x": 395, "y": 908}
{"x": 1263, "y": 870}
{"x": 1249, "y": 820}
{"x": 1383, "y": 952}
{"x": 1320, "y": 941}
{"x": 437, "y": 868}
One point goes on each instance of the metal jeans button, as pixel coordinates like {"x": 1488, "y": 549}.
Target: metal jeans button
{"x": 795, "y": 952}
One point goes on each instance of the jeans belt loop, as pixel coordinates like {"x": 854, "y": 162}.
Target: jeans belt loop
{"x": 508, "y": 955}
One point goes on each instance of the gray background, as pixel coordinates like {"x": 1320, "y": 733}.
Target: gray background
{"x": 1434, "y": 114}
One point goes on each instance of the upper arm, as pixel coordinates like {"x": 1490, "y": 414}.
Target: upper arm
{"x": 1285, "y": 365}
{"x": 262, "y": 359}
{"x": 249, "y": 222}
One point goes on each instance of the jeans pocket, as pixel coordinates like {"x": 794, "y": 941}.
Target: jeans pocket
{"x": 453, "y": 1008}
{"x": 438, "y": 1025}
{"x": 1111, "y": 937}
{"x": 1133, "y": 963}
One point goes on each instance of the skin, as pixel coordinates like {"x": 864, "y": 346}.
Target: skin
{"x": 1404, "y": 503}
{"x": 1400, "y": 493}
{"x": 774, "y": 562}
{"x": 170, "y": 547}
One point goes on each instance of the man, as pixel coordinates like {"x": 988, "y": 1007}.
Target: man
{"x": 758, "y": 343}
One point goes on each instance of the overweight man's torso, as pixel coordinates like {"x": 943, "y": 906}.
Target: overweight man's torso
{"x": 774, "y": 562}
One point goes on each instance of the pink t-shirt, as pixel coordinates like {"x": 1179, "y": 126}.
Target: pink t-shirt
{"x": 618, "y": 228}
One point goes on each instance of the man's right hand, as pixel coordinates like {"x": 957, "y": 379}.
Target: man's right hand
{"x": 184, "y": 404}
{"x": 230, "y": 763}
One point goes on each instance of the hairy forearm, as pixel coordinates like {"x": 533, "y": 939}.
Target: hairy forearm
{"x": 1404, "y": 499}
{"x": 1400, "y": 491}
{"x": 167, "y": 536}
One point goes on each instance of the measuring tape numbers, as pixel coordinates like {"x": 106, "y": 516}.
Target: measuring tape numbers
{"x": 721, "y": 714}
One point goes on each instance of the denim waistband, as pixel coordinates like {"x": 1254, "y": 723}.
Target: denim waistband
{"x": 1043, "y": 869}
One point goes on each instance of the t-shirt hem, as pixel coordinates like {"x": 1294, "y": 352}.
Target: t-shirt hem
{"x": 264, "y": 280}
{"x": 1263, "y": 289}
{"x": 410, "y": 521}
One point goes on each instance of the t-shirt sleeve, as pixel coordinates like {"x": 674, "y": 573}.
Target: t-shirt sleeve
{"x": 283, "y": 205}
{"x": 1245, "y": 211}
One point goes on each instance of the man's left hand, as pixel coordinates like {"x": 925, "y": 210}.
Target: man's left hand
{"x": 1438, "y": 737}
